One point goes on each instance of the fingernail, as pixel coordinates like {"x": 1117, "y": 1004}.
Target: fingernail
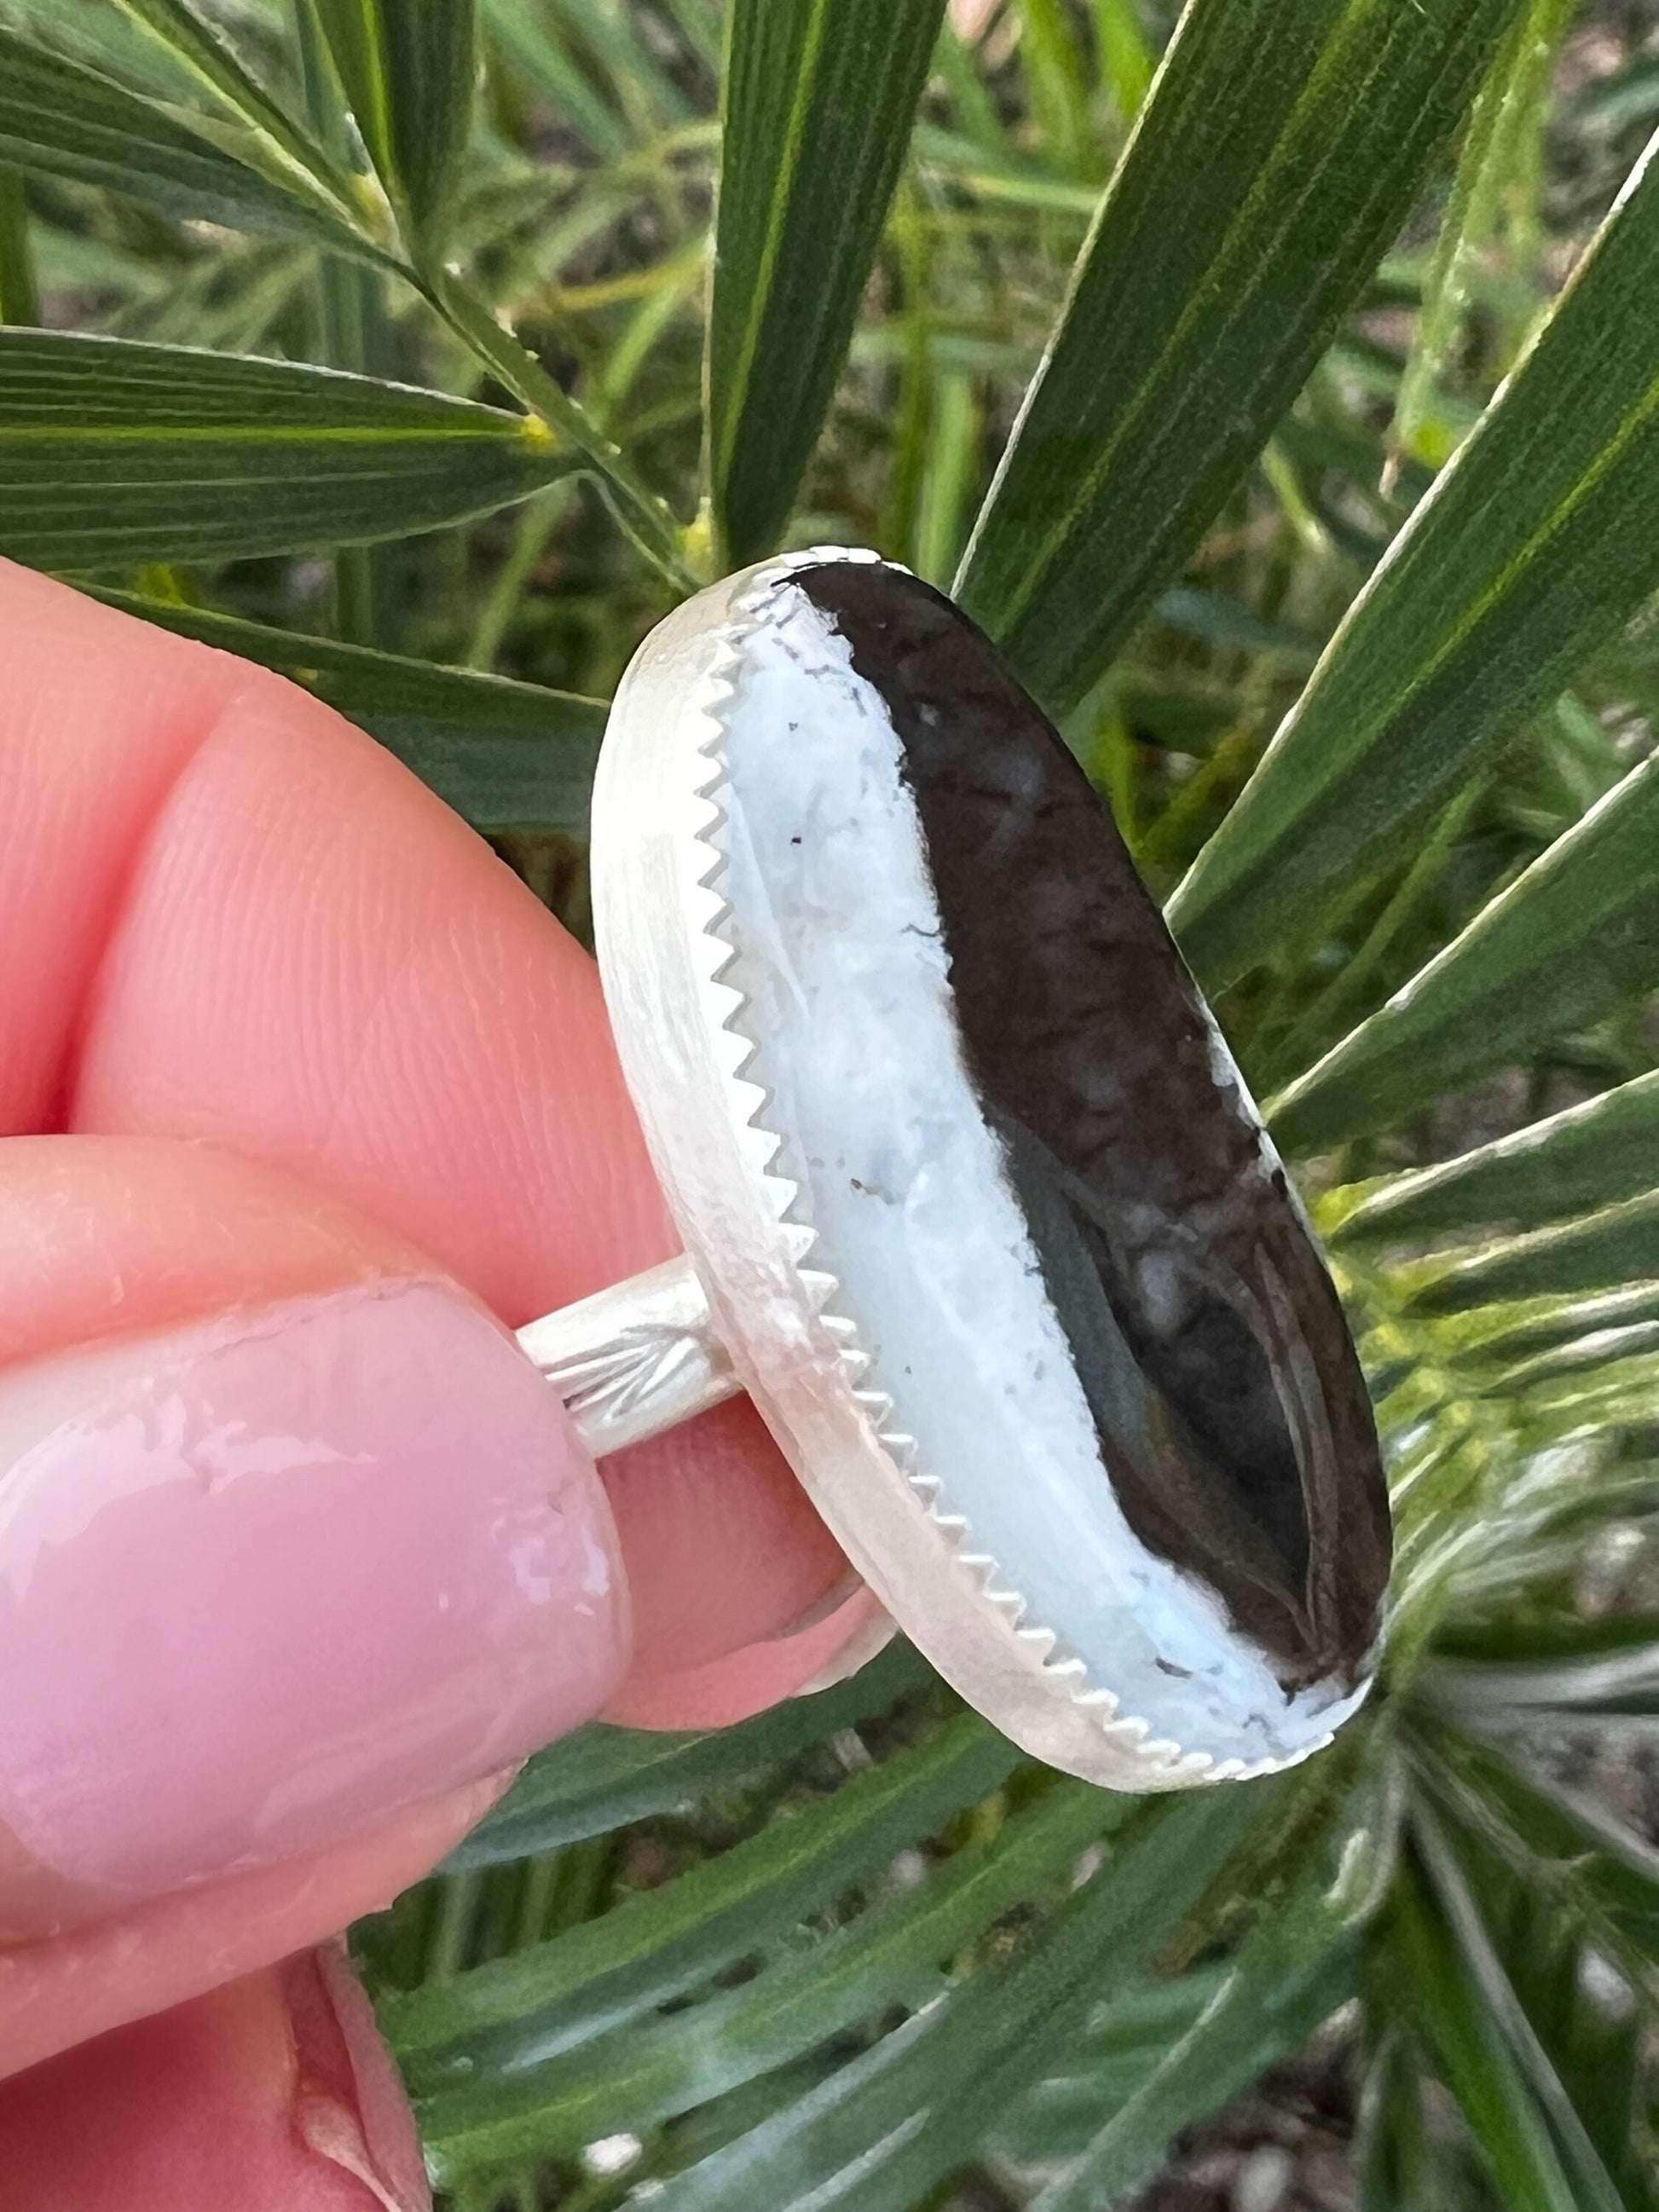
{"x": 263, "y": 1580}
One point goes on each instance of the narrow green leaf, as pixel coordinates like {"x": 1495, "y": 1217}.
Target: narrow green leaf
{"x": 976, "y": 114}
{"x": 1331, "y": 1013}
{"x": 1507, "y": 119}
{"x": 610, "y": 33}
{"x": 1476, "y": 2062}
{"x": 646, "y": 2070}
{"x": 1599, "y": 1359}
{"x": 1572, "y": 939}
{"x": 889, "y": 2126}
{"x": 505, "y": 756}
{"x": 1281, "y": 149}
{"x": 1059, "y": 86}
{"x": 1218, "y": 620}
{"x": 1494, "y": 1339}
{"x": 112, "y": 452}
{"x": 1591, "y": 2187}
{"x": 534, "y": 47}
{"x": 1619, "y": 1680}
{"x": 1533, "y": 548}
{"x": 1398, "y": 2157}
{"x": 1274, "y": 1998}
{"x": 1120, "y": 2047}
{"x": 1588, "y": 1156}
{"x": 1605, "y": 1251}
{"x": 551, "y": 1997}
{"x": 1550, "y": 1836}
{"x": 1597, "y": 2054}
{"x": 62, "y": 120}
{"x": 207, "y": 57}
{"x": 407, "y": 69}
{"x": 1617, "y": 1394}
{"x": 352, "y": 331}
{"x": 1127, "y": 60}
{"x": 602, "y": 1778}
{"x": 638, "y": 510}
{"x": 994, "y": 175}
{"x": 1509, "y": 1639}
{"x": 950, "y": 468}
{"x": 819, "y": 96}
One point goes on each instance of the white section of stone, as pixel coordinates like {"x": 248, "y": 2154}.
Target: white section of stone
{"x": 839, "y": 952}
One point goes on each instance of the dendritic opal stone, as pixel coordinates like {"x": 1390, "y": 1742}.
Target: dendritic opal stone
{"x": 1055, "y": 1221}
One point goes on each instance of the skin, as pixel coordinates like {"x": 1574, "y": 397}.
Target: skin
{"x": 273, "y": 1021}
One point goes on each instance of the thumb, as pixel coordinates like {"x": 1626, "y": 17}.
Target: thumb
{"x": 293, "y": 1540}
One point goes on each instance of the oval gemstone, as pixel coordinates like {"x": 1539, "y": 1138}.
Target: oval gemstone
{"x": 1233, "y": 1418}
{"x": 1058, "y": 1232}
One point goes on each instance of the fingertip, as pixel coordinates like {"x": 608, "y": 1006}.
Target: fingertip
{"x": 742, "y": 1683}
{"x": 104, "y": 1236}
{"x": 273, "y": 2094}
{"x": 723, "y": 1548}
{"x": 349, "y": 1546}
{"x": 55, "y": 1995}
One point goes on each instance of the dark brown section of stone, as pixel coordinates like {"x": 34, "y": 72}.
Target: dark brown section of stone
{"x": 1234, "y": 1418}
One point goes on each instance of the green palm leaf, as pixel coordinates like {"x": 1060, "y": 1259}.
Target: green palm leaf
{"x": 1279, "y": 154}
{"x": 408, "y": 68}
{"x": 61, "y": 119}
{"x": 844, "y": 1953}
{"x": 611, "y": 1969}
{"x": 505, "y": 756}
{"x": 889, "y": 2125}
{"x": 1534, "y": 548}
{"x": 1572, "y": 939}
{"x": 636, "y": 2075}
{"x": 818, "y": 102}
{"x": 111, "y": 452}
{"x": 1585, "y": 1157}
{"x": 1283, "y": 1984}
{"x": 602, "y": 1777}
{"x": 1475, "y": 2058}
{"x": 204, "y": 53}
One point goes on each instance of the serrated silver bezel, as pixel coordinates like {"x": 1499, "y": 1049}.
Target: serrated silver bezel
{"x": 662, "y": 924}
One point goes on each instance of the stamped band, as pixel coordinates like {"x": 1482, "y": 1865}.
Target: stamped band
{"x": 636, "y": 1360}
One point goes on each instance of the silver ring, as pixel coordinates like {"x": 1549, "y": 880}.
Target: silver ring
{"x": 1165, "y": 1690}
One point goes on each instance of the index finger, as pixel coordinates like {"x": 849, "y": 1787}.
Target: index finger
{"x": 246, "y": 923}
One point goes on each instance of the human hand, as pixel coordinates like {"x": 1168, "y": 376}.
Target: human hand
{"x": 298, "y": 1087}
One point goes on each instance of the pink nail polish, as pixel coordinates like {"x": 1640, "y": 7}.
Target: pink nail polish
{"x": 263, "y": 1580}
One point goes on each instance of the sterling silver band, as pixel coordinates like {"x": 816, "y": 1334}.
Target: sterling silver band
{"x": 636, "y": 1360}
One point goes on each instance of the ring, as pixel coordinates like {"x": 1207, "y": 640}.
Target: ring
{"x": 975, "y": 1205}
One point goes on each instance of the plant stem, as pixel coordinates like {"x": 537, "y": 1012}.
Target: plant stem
{"x": 353, "y": 332}
{"x": 539, "y": 517}
{"x": 531, "y": 530}
{"x": 645, "y": 518}
{"x": 950, "y": 479}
